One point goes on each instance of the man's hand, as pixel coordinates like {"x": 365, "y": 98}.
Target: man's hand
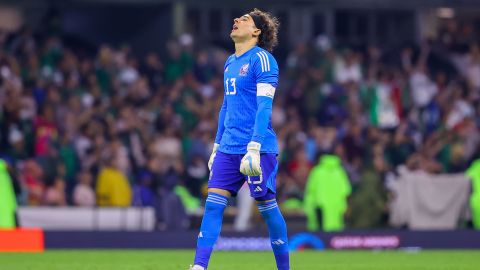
{"x": 250, "y": 164}
{"x": 212, "y": 156}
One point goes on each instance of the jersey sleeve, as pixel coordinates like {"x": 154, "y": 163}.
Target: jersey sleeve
{"x": 223, "y": 110}
{"x": 221, "y": 121}
{"x": 266, "y": 73}
{"x": 266, "y": 68}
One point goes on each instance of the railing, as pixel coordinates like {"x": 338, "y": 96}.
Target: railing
{"x": 88, "y": 219}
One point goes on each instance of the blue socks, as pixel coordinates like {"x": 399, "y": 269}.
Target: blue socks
{"x": 278, "y": 232}
{"x": 212, "y": 224}
{"x": 210, "y": 228}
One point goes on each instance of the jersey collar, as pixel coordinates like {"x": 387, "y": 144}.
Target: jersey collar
{"x": 245, "y": 53}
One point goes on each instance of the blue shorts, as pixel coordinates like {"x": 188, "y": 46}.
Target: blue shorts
{"x": 226, "y": 175}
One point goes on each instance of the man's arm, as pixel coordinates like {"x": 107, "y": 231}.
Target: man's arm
{"x": 220, "y": 130}
{"x": 266, "y": 74}
{"x": 265, "y": 92}
{"x": 221, "y": 121}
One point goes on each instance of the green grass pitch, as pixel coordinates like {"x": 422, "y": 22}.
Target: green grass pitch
{"x": 180, "y": 259}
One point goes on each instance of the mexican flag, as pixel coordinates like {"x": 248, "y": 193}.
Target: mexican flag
{"x": 385, "y": 105}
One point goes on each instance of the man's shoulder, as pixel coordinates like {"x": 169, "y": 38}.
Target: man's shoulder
{"x": 263, "y": 56}
{"x": 230, "y": 58}
{"x": 258, "y": 52}
{"x": 263, "y": 60}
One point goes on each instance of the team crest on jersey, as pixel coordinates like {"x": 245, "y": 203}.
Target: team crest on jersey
{"x": 243, "y": 70}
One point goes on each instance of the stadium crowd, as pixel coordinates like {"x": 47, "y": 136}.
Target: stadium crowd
{"x": 118, "y": 129}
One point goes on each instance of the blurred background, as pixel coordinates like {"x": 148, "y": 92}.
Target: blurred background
{"x": 108, "y": 112}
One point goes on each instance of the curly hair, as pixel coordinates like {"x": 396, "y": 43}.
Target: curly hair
{"x": 268, "y": 25}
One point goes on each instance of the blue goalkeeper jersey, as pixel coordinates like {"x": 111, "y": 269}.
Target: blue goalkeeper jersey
{"x": 249, "y": 82}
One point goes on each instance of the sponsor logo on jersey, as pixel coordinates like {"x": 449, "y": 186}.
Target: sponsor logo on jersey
{"x": 243, "y": 70}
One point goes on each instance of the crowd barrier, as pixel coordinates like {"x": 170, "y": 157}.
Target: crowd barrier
{"x": 250, "y": 241}
{"x": 88, "y": 219}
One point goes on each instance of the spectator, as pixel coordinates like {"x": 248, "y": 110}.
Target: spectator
{"x": 59, "y": 105}
{"x": 423, "y": 88}
{"x": 347, "y": 68}
{"x": 31, "y": 178}
{"x": 55, "y": 194}
{"x": 83, "y": 194}
{"x": 473, "y": 68}
{"x": 474, "y": 173}
{"x": 113, "y": 188}
{"x": 143, "y": 193}
{"x": 327, "y": 191}
{"x": 9, "y": 202}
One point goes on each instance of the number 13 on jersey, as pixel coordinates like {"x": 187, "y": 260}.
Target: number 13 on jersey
{"x": 230, "y": 89}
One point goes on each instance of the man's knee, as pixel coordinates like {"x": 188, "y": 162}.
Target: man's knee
{"x": 220, "y": 191}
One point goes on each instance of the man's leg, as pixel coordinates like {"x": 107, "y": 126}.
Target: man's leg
{"x": 211, "y": 225}
{"x": 244, "y": 206}
{"x": 225, "y": 181}
{"x": 277, "y": 229}
{"x": 262, "y": 188}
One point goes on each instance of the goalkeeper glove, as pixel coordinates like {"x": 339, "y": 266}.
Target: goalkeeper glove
{"x": 250, "y": 164}
{"x": 212, "y": 156}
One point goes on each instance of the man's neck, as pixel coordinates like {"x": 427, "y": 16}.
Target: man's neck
{"x": 242, "y": 47}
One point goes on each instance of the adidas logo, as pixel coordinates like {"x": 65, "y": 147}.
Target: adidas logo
{"x": 278, "y": 242}
{"x": 258, "y": 189}
{"x": 200, "y": 235}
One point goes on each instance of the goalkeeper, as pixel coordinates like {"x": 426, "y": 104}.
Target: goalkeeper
{"x": 246, "y": 145}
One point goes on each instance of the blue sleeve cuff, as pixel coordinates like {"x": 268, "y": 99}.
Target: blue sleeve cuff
{"x": 262, "y": 118}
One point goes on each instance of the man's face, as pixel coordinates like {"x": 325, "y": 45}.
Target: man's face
{"x": 244, "y": 28}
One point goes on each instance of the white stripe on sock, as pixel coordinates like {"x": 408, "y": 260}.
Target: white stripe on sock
{"x": 213, "y": 199}
{"x": 268, "y": 208}
{"x": 217, "y": 202}
{"x": 266, "y": 205}
{"x": 217, "y": 198}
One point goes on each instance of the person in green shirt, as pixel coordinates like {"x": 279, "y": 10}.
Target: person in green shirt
{"x": 474, "y": 174}
{"x": 327, "y": 190}
{"x": 8, "y": 204}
